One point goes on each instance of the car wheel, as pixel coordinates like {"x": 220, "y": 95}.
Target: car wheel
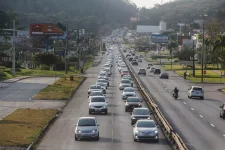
{"x": 125, "y": 109}
{"x": 132, "y": 123}
{"x": 202, "y": 98}
{"x": 220, "y": 115}
{"x": 157, "y": 141}
{"x": 190, "y": 97}
{"x": 76, "y": 138}
{"x": 89, "y": 112}
{"x": 97, "y": 138}
{"x": 106, "y": 112}
{"x": 135, "y": 140}
{"x": 224, "y": 116}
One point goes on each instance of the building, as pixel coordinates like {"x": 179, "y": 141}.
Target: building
{"x": 18, "y": 35}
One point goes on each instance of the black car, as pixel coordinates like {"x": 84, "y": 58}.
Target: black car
{"x": 222, "y": 112}
{"x": 140, "y": 113}
{"x": 157, "y": 71}
{"x": 164, "y": 75}
{"x": 134, "y": 63}
{"x": 131, "y": 58}
{"x": 132, "y": 102}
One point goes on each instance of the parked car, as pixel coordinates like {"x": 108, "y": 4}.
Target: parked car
{"x": 87, "y": 127}
{"x": 132, "y": 102}
{"x": 222, "y": 112}
{"x": 98, "y": 104}
{"x": 141, "y": 71}
{"x": 128, "y": 92}
{"x": 140, "y": 113}
{"x": 196, "y": 91}
{"x": 145, "y": 130}
{"x": 164, "y": 75}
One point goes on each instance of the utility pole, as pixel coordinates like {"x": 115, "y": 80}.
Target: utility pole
{"x": 14, "y": 51}
{"x": 203, "y": 43}
{"x": 66, "y": 49}
{"x": 193, "y": 63}
{"x": 78, "y": 49}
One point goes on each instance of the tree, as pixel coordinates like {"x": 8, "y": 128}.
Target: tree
{"x": 219, "y": 48}
{"x": 45, "y": 59}
{"x": 185, "y": 54}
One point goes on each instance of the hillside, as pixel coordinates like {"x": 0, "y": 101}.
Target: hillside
{"x": 89, "y": 14}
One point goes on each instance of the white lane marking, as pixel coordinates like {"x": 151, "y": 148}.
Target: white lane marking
{"x": 169, "y": 91}
{"x": 192, "y": 108}
{"x": 201, "y": 116}
{"x": 165, "y": 88}
{"x": 185, "y": 103}
{"x": 224, "y": 135}
{"x": 212, "y": 125}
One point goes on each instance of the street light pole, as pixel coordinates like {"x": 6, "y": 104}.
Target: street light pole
{"x": 14, "y": 51}
{"x": 193, "y": 65}
{"x": 203, "y": 43}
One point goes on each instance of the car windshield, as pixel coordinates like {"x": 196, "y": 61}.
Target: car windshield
{"x": 146, "y": 124}
{"x": 96, "y": 94}
{"x": 95, "y": 87}
{"x": 102, "y": 80}
{"x": 128, "y": 90}
{"x": 98, "y": 99}
{"x": 125, "y": 81}
{"x": 133, "y": 99}
{"x": 197, "y": 89}
{"x": 141, "y": 112}
{"x": 87, "y": 122}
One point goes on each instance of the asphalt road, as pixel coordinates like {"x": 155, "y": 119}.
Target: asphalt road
{"x": 25, "y": 89}
{"x": 115, "y": 128}
{"x": 197, "y": 121}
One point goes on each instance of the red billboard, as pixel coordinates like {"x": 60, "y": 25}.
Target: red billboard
{"x": 45, "y": 29}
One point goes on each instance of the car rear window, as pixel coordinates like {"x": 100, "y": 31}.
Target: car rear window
{"x": 95, "y": 87}
{"x": 197, "y": 89}
{"x": 133, "y": 100}
{"x": 141, "y": 112}
{"x": 125, "y": 81}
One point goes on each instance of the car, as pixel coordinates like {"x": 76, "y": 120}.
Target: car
{"x": 107, "y": 66}
{"x": 141, "y": 71}
{"x": 157, "y": 71}
{"x": 105, "y": 78}
{"x": 87, "y": 128}
{"x": 106, "y": 83}
{"x": 134, "y": 63}
{"x": 124, "y": 72}
{"x": 132, "y": 102}
{"x": 152, "y": 69}
{"x": 149, "y": 66}
{"x": 128, "y": 78}
{"x": 128, "y": 55}
{"x": 164, "y": 75}
{"x": 128, "y": 92}
{"x": 145, "y": 130}
{"x": 130, "y": 58}
{"x": 139, "y": 60}
{"x": 222, "y": 112}
{"x": 108, "y": 71}
{"x": 196, "y": 91}
{"x": 103, "y": 73}
{"x": 95, "y": 93}
{"x": 124, "y": 83}
{"x": 96, "y": 88}
{"x": 98, "y": 104}
{"x": 139, "y": 113}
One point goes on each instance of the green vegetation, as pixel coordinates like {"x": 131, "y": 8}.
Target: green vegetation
{"x": 62, "y": 89}
{"x": 22, "y": 126}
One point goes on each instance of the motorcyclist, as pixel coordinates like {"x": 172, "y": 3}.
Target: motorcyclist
{"x": 175, "y": 91}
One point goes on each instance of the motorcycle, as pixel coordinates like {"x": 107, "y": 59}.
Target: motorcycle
{"x": 175, "y": 95}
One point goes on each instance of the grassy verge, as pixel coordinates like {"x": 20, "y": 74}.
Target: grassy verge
{"x": 181, "y": 67}
{"x": 209, "y": 77}
{"x": 62, "y": 89}
{"x": 22, "y": 126}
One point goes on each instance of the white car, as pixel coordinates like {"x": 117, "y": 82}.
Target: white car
{"x": 95, "y": 93}
{"x": 196, "y": 91}
{"x": 128, "y": 92}
{"x": 96, "y": 88}
{"x": 145, "y": 130}
{"x": 86, "y": 128}
{"x": 98, "y": 104}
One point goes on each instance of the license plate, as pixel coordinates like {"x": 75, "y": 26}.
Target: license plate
{"x": 97, "y": 109}
{"x": 86, "y": 135}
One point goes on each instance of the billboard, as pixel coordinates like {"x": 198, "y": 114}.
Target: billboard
{"x": 45, "y": 29}
{"x": 159, "y": 38}
{"x": 181, "y": 38}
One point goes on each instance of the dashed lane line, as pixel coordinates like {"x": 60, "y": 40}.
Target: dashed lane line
{"x": 212, "y": 125}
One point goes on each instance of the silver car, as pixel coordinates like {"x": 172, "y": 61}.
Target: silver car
{"x": 98, "y": 104}
{"x": 128, "y": 78}
{"x": 106, "y": 83}
{"x": 95, "y": 93}
{"x": 96, "y": 88}
{"x": 145, "y": 130}
{"x": 123, "y": 83}
{"x": 87, "y": 128}
{"x": 128, "y": 92}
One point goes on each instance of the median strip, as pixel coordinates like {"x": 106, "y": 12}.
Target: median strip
{"x": 62, "y": 89}
{"x": 21, "y": 127}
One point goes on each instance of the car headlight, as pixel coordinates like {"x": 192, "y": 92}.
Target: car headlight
{"x": 78, "y": 131}
{"x": 156, "y": 131}
{"x": 137, "y": 131}
{"x": 95, "y": 131}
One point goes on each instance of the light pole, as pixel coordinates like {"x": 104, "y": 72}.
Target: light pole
{"x": 203, "y": 43}
{"x": 193, "y": 61}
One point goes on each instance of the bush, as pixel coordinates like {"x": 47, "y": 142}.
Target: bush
{"x": 44, "y": 67}
{"x": 9, "y": 65}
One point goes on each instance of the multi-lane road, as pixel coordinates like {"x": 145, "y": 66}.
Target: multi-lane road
{"x": 115, "y": 128}
{"x": 197, "y": 121}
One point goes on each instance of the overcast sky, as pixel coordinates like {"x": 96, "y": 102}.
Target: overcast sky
{"x": 148, "y": 3}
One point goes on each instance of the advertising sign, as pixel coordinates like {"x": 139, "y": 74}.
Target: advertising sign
{"x": 45, "y": 29}
{"x": 159, "y": 38}
{"x": 181, "y": 38}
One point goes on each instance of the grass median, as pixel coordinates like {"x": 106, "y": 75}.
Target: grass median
{"x": 22, "y": 126}
{"x": 62, "y": 89}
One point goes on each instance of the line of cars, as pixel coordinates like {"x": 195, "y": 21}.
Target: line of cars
{"x": 144, "y": 128}
{"x": 88, "y": 127}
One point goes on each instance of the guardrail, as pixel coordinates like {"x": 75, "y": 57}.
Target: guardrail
{"x": 172, "y": 136}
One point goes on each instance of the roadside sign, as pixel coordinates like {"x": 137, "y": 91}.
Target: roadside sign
{"x": 45, "y": 29}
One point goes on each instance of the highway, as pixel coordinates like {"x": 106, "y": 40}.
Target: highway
{"x": 197, "y": 121}
{"x": 25, "y": 89}
{"x": 115, "y": 128}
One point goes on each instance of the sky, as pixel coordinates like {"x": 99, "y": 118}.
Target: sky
{"x": 148, "y": 3}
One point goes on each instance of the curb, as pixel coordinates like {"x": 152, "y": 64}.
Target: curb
{"x": 43, "y": 131}
{"x": 16, "y": 80}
